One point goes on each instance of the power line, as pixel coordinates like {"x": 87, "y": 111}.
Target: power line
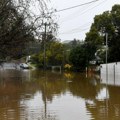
{"x": 79, "y": 28}
{"x": 93, "y": 7}
{"x": 76, "y": 6}
{"x": 85, "y": 11}
{"x": 68, "y": 17}
{"x": 74, "y": 32}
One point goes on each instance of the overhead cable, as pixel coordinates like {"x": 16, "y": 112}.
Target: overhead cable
{"x": 76, "y": 6}
{"x": 85, "y": 11}
{"x": 74, "y": 32}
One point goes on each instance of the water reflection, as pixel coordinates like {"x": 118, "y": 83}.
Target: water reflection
{"x": 39, "y": 95}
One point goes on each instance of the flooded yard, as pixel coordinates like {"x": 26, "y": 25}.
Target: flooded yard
{"x": 38, "y": 95}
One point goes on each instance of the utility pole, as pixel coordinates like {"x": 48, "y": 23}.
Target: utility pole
{"x": 106, "y": 56}
{"x": 106, "y": 36}
{"x": 103, "y": 30}
{"x": 45, "y": 47}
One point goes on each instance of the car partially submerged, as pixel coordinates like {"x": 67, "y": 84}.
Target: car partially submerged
{"x": 24, "y": 66}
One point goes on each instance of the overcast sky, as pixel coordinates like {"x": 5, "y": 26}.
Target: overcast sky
{"x": 76, "y": 22}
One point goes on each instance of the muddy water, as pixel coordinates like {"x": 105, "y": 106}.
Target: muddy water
{"x": 38, "y": 95}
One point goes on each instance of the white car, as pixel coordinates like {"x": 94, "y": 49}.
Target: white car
{"x": 24, "y": 66}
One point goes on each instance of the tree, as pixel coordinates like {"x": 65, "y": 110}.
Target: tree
{"x": 115, "y": 39}
{"x": 90, "y": 49}
{"x": 14, "y": 32}
{"x": 54, "y": 55}
{"x": 108, "y": 22}
{"x": 78, "y": 58}
{"x": 18, "y": 25}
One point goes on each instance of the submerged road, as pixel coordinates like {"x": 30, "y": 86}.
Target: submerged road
{"x": 8, "y": 65}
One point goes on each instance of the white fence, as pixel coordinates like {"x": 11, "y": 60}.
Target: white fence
{"x": 111, "y": 75}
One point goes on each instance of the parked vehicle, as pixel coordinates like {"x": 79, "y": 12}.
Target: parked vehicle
{"x": 24, "y": 66}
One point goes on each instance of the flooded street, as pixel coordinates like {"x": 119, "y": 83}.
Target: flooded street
{"x": 38, "y": 95}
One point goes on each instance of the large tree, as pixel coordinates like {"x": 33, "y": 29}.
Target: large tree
{"x": 108, "y": 22}
{"x": 19, "y": 24}
{"x": 78, "y": 57}
{"x": 54, "y": 55}
{"x": 14, "y": 32}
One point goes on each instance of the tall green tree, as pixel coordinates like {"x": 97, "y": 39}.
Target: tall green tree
{"x": 18, "y": 25}
{"x": 78, "y": 58}
{"x": 14, "y": 32}
{"x": 54, "y": 55}
{"x": 114, "y": 51}
{"x": 108, "y": 22}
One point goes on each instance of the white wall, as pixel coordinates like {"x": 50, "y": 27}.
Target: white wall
{"x": 113, "y": 73}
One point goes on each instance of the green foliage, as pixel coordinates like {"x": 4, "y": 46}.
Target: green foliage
{"x": 78, "y": 58}
{"x": 14, "y": 32}
{"x": 68, "y": 46}
{"x": 54, "y": 55}
{"x": 19, "y": 26}
{"x": 90, "y": 49}
{"x": 108, "y": 22}
{"x": 37, "y": 60}
{"x": 93, "y": 37}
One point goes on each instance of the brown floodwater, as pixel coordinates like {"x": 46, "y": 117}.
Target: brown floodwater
{"x": 38, "y": 95}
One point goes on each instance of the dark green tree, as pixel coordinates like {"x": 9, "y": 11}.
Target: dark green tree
{"x": 78, "y": 58}
{"x": 18, "y": 25}
{"x": 54, "y": 55}
{"x": 14, "y": 32}
{"x": 108, "y": 22}
{"x": 114, "y": 51}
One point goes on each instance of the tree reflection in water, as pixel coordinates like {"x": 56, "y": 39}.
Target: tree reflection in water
{"x": 32, "y": 94}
